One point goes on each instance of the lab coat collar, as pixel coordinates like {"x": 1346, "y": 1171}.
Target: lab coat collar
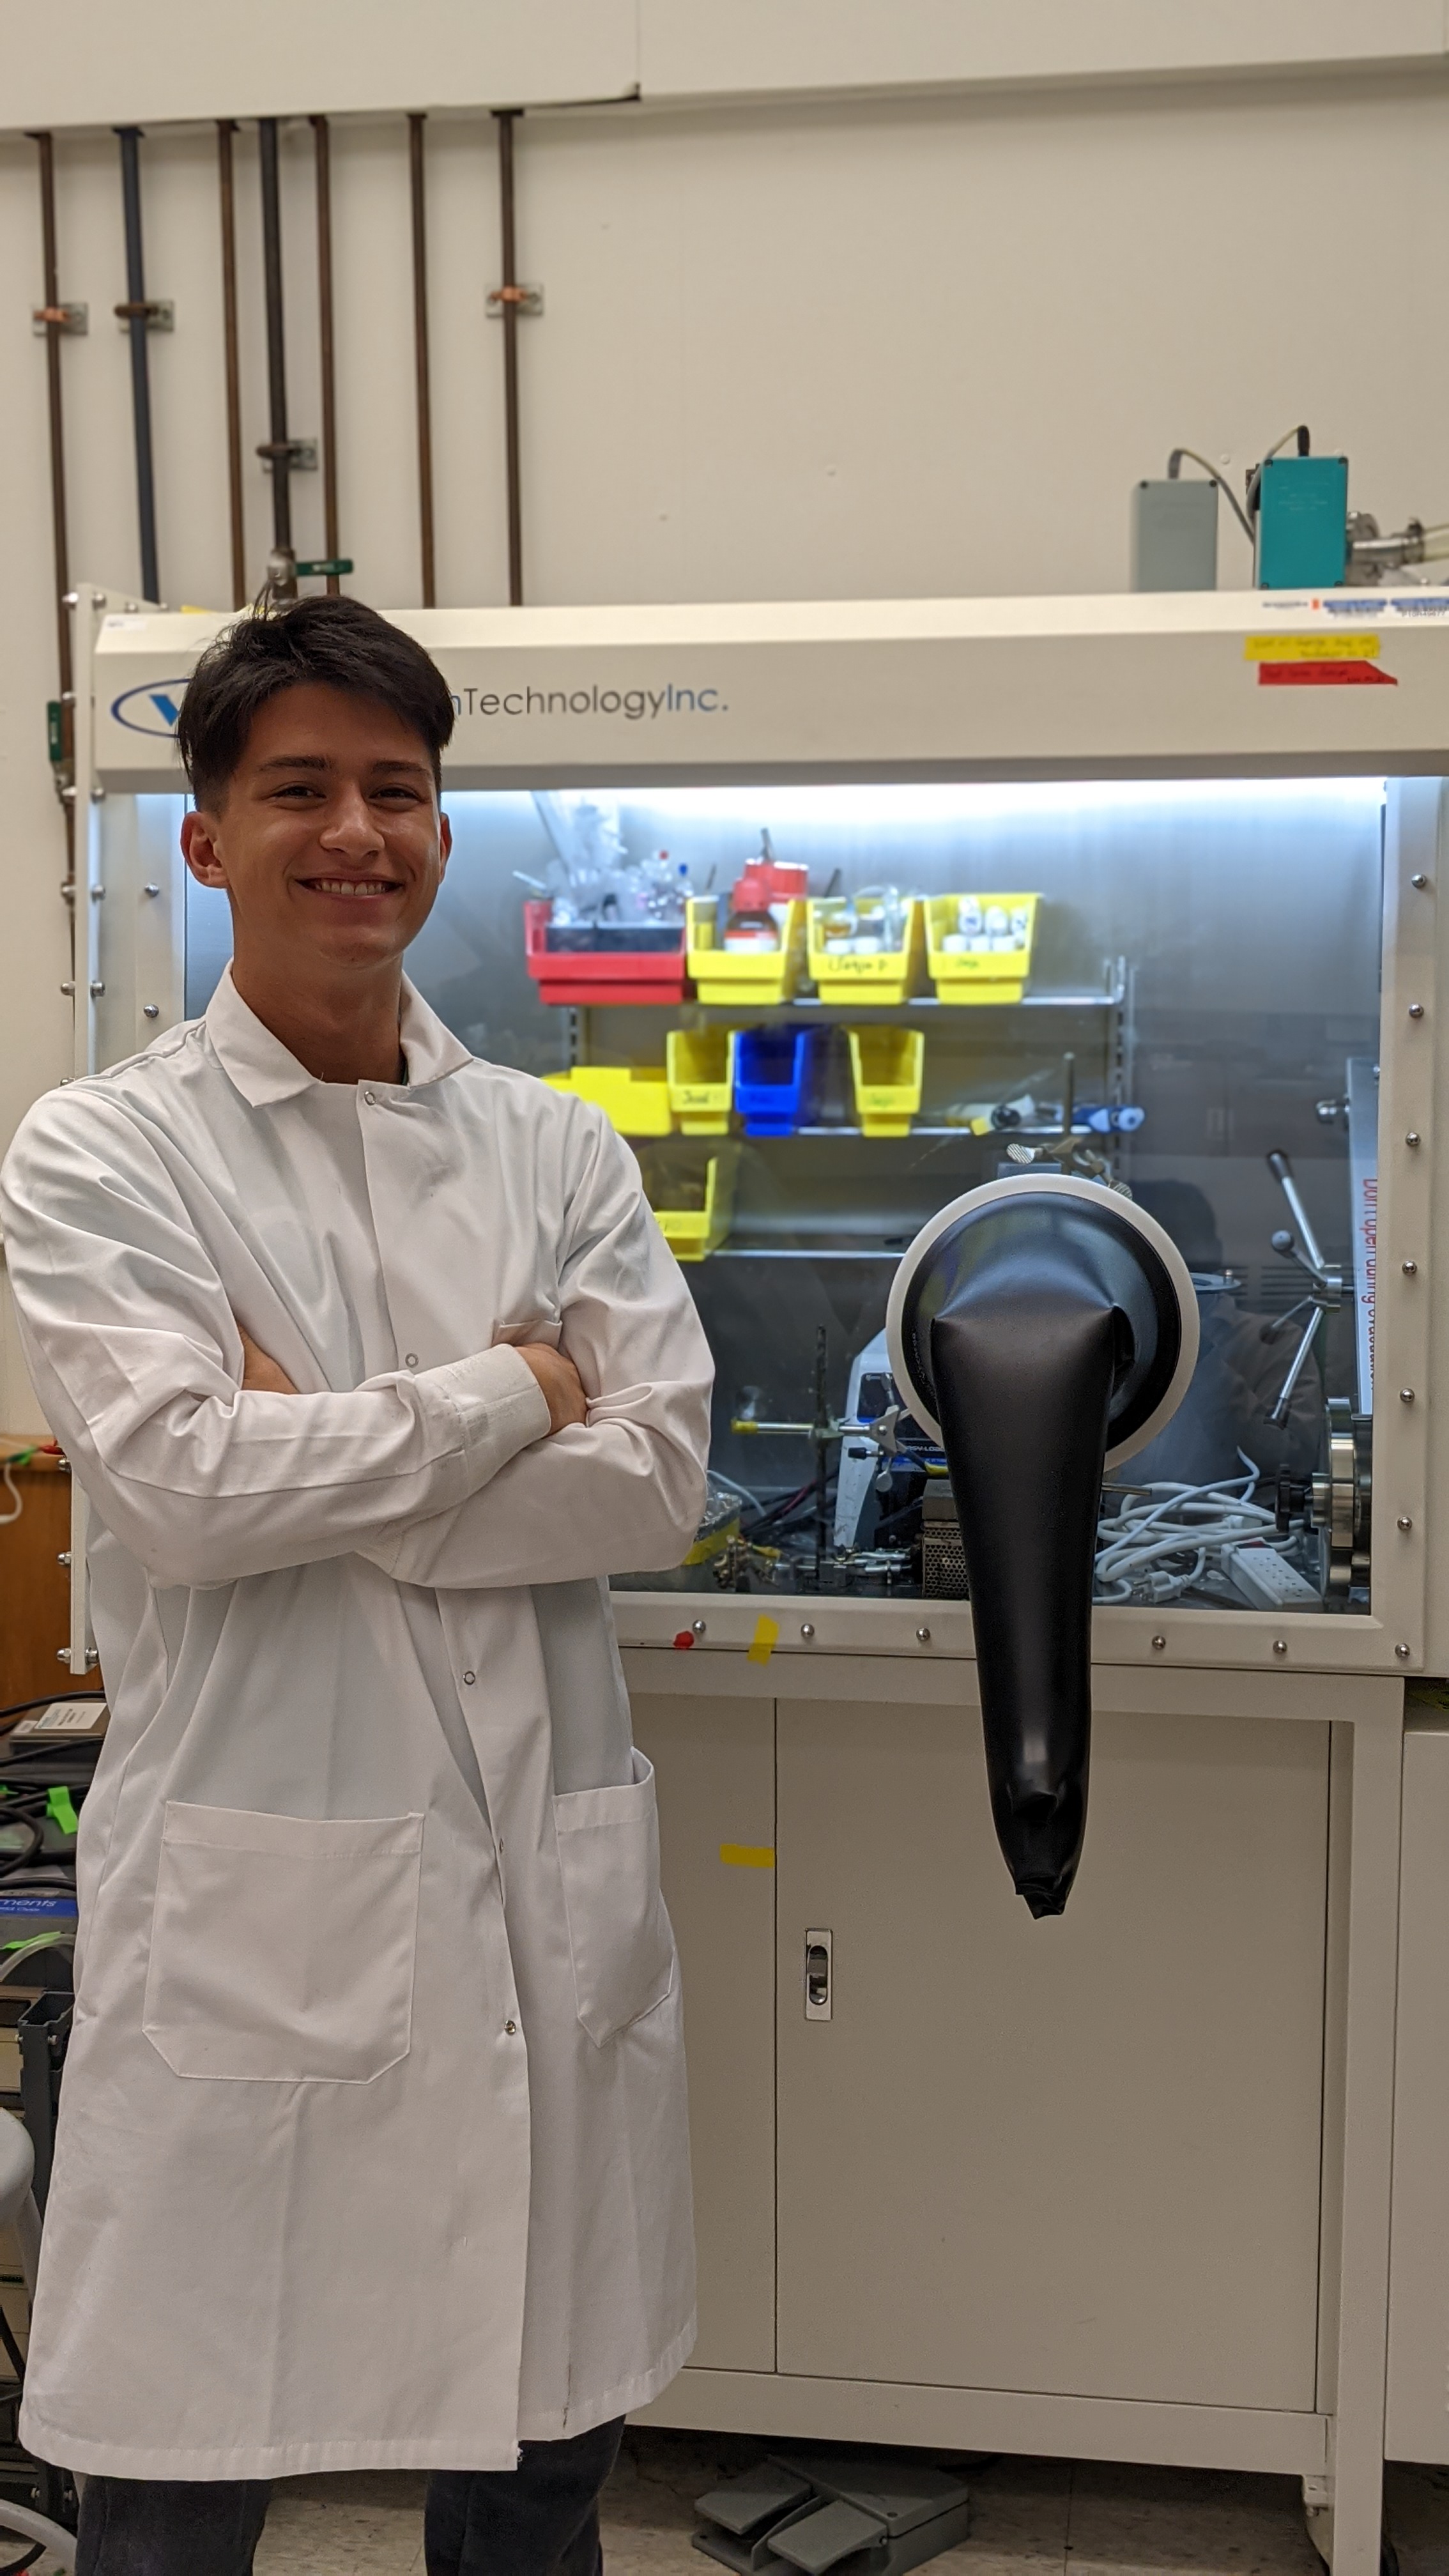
{"x": 264, "y": 1071}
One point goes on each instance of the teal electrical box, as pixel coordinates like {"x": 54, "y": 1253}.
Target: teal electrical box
{"x": 1302, "y": 523}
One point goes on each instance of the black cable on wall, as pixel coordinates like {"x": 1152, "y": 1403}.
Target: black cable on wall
{"x": 225, "y": 129}
{"x": 322, "y": 162}
{"x": 53, "y": 315}
{"x": 278, "y": 447}
{"x": 417, "y": 176}
{"x": 136, "y": 314}
{"x": 510, "y": 296}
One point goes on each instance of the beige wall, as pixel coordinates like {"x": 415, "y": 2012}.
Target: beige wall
{"x": 865, "y": 345}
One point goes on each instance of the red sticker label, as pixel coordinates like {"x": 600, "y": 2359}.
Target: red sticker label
{"x": 1324, "y": 675}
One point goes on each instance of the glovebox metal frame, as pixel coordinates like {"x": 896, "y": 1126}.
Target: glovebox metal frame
{"x": 1132, "y": 687}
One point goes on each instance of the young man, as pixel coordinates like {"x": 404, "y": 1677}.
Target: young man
{"x": 373, "y": 1365}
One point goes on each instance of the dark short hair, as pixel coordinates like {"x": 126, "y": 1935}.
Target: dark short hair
{"x": 333, "y": 643}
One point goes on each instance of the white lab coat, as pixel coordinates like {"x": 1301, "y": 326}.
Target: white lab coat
{"x": 373, "y": 2147}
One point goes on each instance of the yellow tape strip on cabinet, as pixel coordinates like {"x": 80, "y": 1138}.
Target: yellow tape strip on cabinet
{"x": 762, "y": 1644}
{"x": 747, "y": 1855}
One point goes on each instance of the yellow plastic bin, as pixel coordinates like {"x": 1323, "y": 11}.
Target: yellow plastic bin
{"x": 744, "y": 978}
{"x": 700, "y": 1065}
{"x": 978, "y": 946}
{"x": 634, "y": 1098}
{"x": 843, "y": 971}
{"x": 886, "y": 1067}
{"x": 693, "y": 1233}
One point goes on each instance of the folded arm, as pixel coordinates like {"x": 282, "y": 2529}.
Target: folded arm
{"x": 623, "y": 1491}
{"x": 129, "y": 1335}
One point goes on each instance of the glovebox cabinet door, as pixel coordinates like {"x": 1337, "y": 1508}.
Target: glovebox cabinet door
{"x": 1418, "y": 2422}
{"x": 714, "y": 1762}
{"x": 1080, "y": 2155}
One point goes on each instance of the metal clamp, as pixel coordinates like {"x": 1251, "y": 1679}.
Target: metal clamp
{"x": 158, "y": 313}
{"x": 74, "y": 320}
{"x": 299, "y": 455}
{"x": 1336, "y": 1502}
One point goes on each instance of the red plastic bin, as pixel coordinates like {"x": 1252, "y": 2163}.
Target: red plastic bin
{"x": 576, "y": 978}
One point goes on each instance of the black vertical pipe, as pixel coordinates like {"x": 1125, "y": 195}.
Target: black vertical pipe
{"x": 506, "y": 118}
{"x": 417, "y": 175}
{"x": 136, "y": 319}
{"x": 332, "y": 543}
{"x": 278, "y": 447}
{"x": 60, "y": 536}
{"x": 225, "y": 129}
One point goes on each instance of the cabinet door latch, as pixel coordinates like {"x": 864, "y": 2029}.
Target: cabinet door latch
{"x": 819, "y": 1975}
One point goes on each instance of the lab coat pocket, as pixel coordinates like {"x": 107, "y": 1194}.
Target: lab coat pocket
{"x": 619, "y": 1933}
{"x": 282, "y": 1947}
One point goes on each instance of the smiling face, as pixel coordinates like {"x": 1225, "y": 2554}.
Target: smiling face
{"x": 328, "y": 843}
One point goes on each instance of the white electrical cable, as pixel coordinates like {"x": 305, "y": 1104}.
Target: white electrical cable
{"x": 19, "y": 2519}
{"x": 13, "y": 1490}
{"x": 1215, "y": 475}
{"x": 24, "y": 1950}
{"x": 1156, "y": 1550}
{"x": 742, "y": 1493}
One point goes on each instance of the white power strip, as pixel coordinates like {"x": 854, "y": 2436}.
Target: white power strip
{"x": 1267, "y": 1580}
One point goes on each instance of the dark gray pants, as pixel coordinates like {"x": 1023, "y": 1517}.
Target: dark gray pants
{"x": 541, "y": 2519}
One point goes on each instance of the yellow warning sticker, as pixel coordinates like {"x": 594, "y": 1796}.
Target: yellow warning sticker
{"x": 762, "y": 1644}
{"x": 747, "y": 1855}
{"x": 1311, "y": 648}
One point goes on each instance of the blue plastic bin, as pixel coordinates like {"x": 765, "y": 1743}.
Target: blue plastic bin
{"x": 772, "y": 1068}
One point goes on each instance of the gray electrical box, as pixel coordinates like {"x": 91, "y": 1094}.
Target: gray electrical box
{"x": 1175, "y": 536}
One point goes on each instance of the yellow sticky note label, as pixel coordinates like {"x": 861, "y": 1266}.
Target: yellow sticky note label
{"x": 762, "y": 1644}
{"x": 747, "y": 1855}
{"x": 1311, "y": 648}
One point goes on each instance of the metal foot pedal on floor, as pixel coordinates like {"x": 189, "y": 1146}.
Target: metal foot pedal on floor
{"x": 832, "y": 2515}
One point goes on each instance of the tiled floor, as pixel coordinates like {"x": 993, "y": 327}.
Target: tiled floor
{"x": 1031, "y": 2516}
